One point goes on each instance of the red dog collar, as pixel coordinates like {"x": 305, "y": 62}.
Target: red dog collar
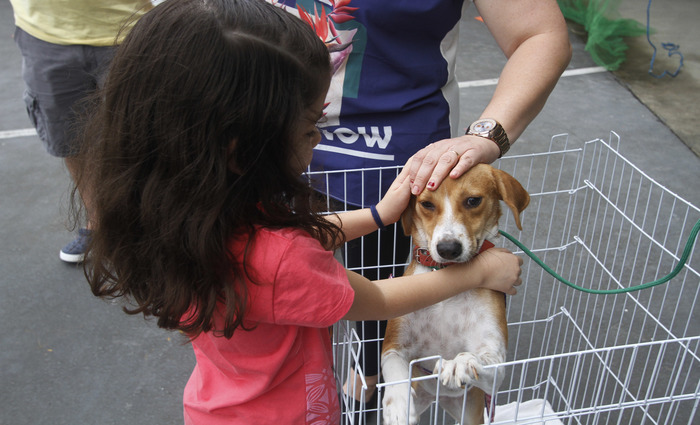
{"x": 422, "y": 255}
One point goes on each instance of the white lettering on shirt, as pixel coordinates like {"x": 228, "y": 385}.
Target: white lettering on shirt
{"x": 372, "y": 138}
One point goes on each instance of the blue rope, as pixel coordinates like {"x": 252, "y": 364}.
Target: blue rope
{"x": 673, "y": 49}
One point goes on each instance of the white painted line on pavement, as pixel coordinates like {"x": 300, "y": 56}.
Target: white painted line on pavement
{"x": 9, "y": 134}
{"x": 567, "y": 73}
{"x": 25, "y": 132}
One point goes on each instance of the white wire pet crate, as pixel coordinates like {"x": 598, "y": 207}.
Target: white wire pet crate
{"x": 575, "y": 357}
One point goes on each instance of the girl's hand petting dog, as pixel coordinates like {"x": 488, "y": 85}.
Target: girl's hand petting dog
{"x": 396, "y": 198}
{"x": 497, "y": 269}
{"x": 502, "y": 270}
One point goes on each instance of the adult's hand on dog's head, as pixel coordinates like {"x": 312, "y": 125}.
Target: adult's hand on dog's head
{"x": 453, "y": 157}
{"x": 501, "y": 270}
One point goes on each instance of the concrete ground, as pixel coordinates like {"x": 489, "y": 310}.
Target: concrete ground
{"x": 673, "y": 100}
{"x": 69, "y": 358}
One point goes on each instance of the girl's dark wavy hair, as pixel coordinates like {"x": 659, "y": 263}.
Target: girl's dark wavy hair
{"x": 191, "y": 77}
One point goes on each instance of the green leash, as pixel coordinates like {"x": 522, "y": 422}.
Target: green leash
{"x": 683, "y": 260}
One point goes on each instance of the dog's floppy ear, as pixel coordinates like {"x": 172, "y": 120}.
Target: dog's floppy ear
{"x": 407, "y": 217}
{"x": 512, "y": 193}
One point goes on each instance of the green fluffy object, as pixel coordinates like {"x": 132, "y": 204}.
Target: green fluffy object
{"x": 606, "y": 31}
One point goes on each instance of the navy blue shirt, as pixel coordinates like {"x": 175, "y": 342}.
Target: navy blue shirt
{"x": 392, "y": 92}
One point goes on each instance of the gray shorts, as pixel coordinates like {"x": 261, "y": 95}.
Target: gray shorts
{"x": 56, "y": 78}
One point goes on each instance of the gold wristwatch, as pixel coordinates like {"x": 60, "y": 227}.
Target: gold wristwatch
{"x": 492, "y": 130}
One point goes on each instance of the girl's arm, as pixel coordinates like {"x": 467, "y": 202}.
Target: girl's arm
{"x": 496, "y": 269}
{"x": 358, "y": 223}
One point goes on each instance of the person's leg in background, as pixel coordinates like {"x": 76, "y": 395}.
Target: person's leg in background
{"x": 378, "y": 255}
{"x": 57, "y": 78}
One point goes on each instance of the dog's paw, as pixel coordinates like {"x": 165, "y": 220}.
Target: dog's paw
{"x": 398, "y": 407}
{"x": 460, "y": 372}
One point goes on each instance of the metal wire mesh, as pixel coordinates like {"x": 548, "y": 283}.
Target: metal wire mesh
{"x": 573, "y": 357}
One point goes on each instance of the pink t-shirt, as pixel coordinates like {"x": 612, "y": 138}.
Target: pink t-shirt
{"x": 281, "y": 372}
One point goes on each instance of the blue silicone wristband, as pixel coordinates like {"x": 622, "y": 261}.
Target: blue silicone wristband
{"x": 375, "y": 216}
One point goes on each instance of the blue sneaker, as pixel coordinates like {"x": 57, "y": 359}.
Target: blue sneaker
{"x": 74, "y": 252}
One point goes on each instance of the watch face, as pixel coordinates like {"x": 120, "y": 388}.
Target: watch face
{"x": 483, "y": 126}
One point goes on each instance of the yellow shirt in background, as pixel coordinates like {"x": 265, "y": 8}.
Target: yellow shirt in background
{"x": 87, "y": 22}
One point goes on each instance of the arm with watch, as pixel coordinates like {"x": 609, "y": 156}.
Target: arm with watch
{"x": 538, "y": 51}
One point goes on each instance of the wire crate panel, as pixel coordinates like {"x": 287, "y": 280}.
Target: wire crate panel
{"x": 574, "y": 357}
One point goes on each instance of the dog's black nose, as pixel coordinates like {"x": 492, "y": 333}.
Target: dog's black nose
{"x": 449, "y": 250}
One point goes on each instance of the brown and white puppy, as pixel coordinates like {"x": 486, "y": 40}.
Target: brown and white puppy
{"x": 468, "y": 331}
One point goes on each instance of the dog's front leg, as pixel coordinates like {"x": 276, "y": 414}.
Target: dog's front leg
{"x": 398, "y": 402}
{"x": 460, "y": 372}
{"x": 490, "y": 378}
{"x": 467, "y": 370}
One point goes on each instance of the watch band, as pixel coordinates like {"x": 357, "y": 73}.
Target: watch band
{"x": 492, "y": 130}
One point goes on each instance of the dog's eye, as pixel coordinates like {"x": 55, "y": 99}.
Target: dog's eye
{"x": 428, "y": 205}
{"x": 472, "y": 202}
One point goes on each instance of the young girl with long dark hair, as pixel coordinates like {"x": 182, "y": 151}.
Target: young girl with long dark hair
{"x": 198, "y": 140}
